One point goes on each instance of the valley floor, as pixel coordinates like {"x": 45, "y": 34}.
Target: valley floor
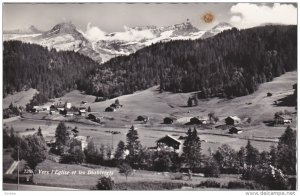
{"x": 257, "y": 106}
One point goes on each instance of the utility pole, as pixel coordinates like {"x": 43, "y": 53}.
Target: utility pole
{"x": 18, "y": 163}
{"x": 112, "y": 136}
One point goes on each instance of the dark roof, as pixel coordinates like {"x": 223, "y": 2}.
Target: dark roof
{"x": 143, "y": 116}
{"x": 172, "y": 118}
{"x": 169, "y": 136}
{"x": 284, "y": 116}
{"x": 109, "y": 109}
{"x": 235, "y": 118}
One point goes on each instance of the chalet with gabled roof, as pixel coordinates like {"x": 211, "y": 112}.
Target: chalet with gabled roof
{"x": 235, "y": 130}
{"x": 170, "y": 142}
{"x": 198, "y": 120}
{"x": 282, "y": 119}
{"x": 232, "y": 120}
{"x": 169, "y": 120}
{"x": 142, "y": 118}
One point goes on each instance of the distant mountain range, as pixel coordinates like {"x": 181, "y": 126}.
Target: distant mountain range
{"x": 66, "y": 37}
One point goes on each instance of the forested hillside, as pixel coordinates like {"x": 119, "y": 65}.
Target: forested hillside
{"x": 52, "y": 73}
{"x": 229, "y": 64}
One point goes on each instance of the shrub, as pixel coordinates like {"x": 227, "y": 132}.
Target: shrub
{"x": 105, "y": 183}
{"x": 245, "y": 185}
{"x": 268, "y": 176}
{"x": 211, "y": 168}
{"x": 150, "y": 185}
{"x": 177, "y": 176}
{"x": 209, "y": 183}
{"x": 72, "y": 158}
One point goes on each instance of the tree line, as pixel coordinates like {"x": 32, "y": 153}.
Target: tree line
{"x": 232, "y": 63}
{"x": 268, "y": 168}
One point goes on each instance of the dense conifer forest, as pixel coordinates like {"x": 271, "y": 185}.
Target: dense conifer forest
{"x": 52, "y": 73}
{"x": 229, "y": 64}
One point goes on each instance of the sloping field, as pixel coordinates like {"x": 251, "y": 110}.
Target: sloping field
{"x": 258, "y": 106}
{"x": 19, "y": 99}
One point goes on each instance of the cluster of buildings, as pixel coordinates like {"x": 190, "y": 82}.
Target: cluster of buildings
{"x": 113, "y": 107}
{"x": 65, "y": 109}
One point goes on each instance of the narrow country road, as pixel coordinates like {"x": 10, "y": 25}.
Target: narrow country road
{"x": 12, "y": 168}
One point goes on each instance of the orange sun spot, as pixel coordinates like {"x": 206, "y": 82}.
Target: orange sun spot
{"x": 208, "y": 17}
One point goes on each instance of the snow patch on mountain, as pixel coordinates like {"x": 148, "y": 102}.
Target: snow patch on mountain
{"x": 102, "y": 46}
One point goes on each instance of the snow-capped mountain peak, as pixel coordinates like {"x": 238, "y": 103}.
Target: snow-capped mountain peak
{"x": 222, "y": 26}
{"x": 102, "y": 46}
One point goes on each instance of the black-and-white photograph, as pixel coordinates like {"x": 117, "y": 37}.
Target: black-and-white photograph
{"x": 149, "y": 96}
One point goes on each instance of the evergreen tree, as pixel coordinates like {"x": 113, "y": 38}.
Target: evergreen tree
{"x": 192, "y": 149}
{"x": 62, "y": 137}
{"x": 273, "y": 156}
{"x": 252, "y": 155}
{"x": 133, "y": 145}
{"x": 120, "y": 152}
{"x": 39, "y": 133}
{"x": 190, "y": 102}
{"x": 89, "y": 109}
{"x": 242, "y": 156}
{"x": 286, "y": 152}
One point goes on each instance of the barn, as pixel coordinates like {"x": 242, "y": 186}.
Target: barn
{"x": 171, "y": 142}
{"x": 282, "y": 119}
{"x": 235, "y": 130}
{"x": 82, "y": 111}
{"x": 232, "y": 120}
{"x": 110, "y": 109}
{"x": 198, "y": 121}
{"x": 142, "y": 118}
{"x": 169, "y": 120}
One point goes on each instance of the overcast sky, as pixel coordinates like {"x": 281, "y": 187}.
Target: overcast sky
{"x": 111, "y": 17}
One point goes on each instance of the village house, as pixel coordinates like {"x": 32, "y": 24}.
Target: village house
{"x": 110, "y": 109}
{"x": 75, "y": 132}
{"x": 91, "y": 117}
{"x": 115, "y": 105}
{"x": 83, "y": 140}
{"x": 68, "y": 105}
{"x": 82, "y": 111}
{"x": 50, "y": 140}
{"x": 52, "y": 112}
{"x": 232, "y": 120}
{"x": 52, "y": 107}
{"x": 198, "y": 120}
{"x": 46, "y": 108}
{"x": 143, "y": 118}
{"x": 170, "y": 142}
{"x": 60, "y": 107}
{"x": 235, "y": 130}
{"x": 169, "y": 120}
{"x": 36, "y": 109}
{"x": 67, "y": 112}
{"x": 282, "y": 119}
